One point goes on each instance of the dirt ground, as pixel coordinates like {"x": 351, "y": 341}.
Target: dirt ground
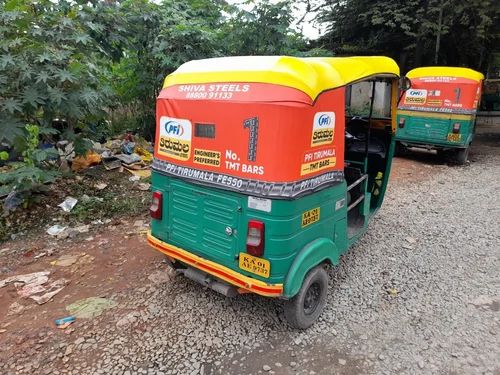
{"x": 114, "y": 258}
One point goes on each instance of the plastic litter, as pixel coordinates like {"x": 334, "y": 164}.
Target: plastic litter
{"x": 13, "y": 200}
{"x": 62, "y": 323}
{"x": 30, "y": 278}
{"x": 128, "y": 147}
{"x": 55, "y": 230}
{"x": 66, "y": 260}
{"x": 54, "y": 288}
{"x": 134, "y": 178}
{"x": 143, "y": 186}
{"x": 83, "y": 162}
{"x": 68, "y": 204}
{"x": 142, "y": 173}
{"x": 129, "y": 159}
{"x": 114, "y": 164}
{"x": 145, "y": 155}
{"x": 90, "y": 307}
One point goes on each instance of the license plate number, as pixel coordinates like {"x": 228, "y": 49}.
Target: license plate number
{"x": 256, "y": 265}
{"x": 454, "y": 137}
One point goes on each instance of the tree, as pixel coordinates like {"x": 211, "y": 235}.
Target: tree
{"x": 409, "y": 30}
{"x": 264, "y": 30}
{"x": 51, "y": 65}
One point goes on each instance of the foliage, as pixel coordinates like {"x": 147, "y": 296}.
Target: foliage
{"x": 51, "y": 65}
{"x": 30, "y": 175}
{"x": 108, "y": 204}
{"x": 264, "y": 30}
{"x": 409, "y": 30}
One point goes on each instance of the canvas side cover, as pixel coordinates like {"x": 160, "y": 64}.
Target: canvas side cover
{"x": 262, "y": 139}
{"x": 442, "y": 94}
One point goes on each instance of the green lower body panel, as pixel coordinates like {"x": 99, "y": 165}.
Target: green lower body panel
{"x": 212, "y": 224}
{"x": 434, "y": 130}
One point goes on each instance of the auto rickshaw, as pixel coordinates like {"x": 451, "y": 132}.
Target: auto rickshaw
{"x": 267, "y": 169}
{"x": 439, "y": 111}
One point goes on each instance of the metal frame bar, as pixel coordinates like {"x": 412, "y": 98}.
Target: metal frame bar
{"x": 357, "y": 182}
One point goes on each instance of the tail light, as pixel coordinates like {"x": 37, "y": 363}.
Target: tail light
{"x": 255, "y": 238}
{"x": 156, "y": 205}
{"x": 402, "y": 121}
{"x": 456, "y": 127}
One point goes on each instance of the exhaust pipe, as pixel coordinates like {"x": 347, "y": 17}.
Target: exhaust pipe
{"x": 205, "y": 280}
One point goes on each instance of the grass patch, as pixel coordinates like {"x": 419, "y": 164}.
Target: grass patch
{"x": 108, "y": 205}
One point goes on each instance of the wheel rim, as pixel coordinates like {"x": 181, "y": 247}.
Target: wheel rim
{"x": 312, "y": 298}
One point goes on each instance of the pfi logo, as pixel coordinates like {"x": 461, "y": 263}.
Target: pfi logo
{"x": 324, "y": 120}
{"x": 174, "y": 128}
{"x": 417, "y": 92}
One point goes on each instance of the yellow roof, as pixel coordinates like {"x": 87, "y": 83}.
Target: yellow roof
{"x": 310, "y": 75}
{"x": 445, "y": 71}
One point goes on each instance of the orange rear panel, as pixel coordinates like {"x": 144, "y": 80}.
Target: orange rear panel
{"x": 261, "y": 139}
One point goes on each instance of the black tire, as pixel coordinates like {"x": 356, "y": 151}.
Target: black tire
{"x": 400, "y": 150}
{"x": 443, "y": 154}
{"x": 306, "y": 306}
{"x": 461, "y": 155}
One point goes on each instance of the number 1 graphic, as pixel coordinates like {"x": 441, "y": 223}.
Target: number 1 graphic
{"x": 253, "y": 125}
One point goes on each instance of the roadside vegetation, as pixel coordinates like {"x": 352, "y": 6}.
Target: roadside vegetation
{"x": 79, "y": 71}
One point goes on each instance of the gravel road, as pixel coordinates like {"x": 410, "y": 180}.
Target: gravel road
{"x": 420, "y": 293}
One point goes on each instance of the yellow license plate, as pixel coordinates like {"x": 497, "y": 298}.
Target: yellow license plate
{"x": 258, "y": 266}
{"x": 454, "y": 137}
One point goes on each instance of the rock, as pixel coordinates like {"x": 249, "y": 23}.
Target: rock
{"x": 266, "y": 368}
{"x": 342, "y": 361}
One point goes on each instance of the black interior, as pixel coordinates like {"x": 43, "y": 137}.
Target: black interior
{"x": 366, "y": 150}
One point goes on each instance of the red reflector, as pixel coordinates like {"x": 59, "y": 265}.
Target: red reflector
{"x": 402, "y": 121}
{"x": 456, "y": 127}
{"x": 156, "y": 205}
{"x": 255, "y": 238}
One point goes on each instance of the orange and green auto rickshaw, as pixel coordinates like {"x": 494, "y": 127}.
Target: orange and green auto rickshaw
{"x": 439, "y": 111}
{"x": 267, "y": 169}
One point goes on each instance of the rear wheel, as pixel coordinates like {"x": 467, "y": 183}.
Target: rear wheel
{"x": 400, "y": 149}
{"x": 461, "y": 155}
{"x": 306, "y": 306}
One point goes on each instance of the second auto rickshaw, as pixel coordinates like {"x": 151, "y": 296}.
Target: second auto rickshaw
{"x": 267, "y": 169}
{"x": 439, "y": 110}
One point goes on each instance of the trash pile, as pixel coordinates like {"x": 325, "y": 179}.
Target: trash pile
{"x": 126, "y": 152}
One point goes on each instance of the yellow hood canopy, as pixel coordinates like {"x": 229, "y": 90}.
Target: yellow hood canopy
{"x": 310, "y": 75}
{"x": 445, "y": 71}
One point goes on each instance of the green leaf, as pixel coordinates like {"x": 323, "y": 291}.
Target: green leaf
{"x": 10, "y": 128}
{"x": 82, "y": 145}
{"x": 56, "y": 95}
{"x": 32, "y": 97}
{"x": 43, "y": 76}
{"x": 39, "y": 155}
{"x": 12, "y": 105}
{"x": 64, "y": 76}
{"x": 4, "y": 155}
{"x": 47, "y": 131}
{"x": 16, "y": 42}
{"x": 82, "y": 38}
{"x": 6, "y": 60}
{"x": 45, "y": 56}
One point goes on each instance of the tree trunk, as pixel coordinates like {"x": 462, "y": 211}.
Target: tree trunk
{"x": 438, "y": 36}
{"x": 419, "y": 47}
